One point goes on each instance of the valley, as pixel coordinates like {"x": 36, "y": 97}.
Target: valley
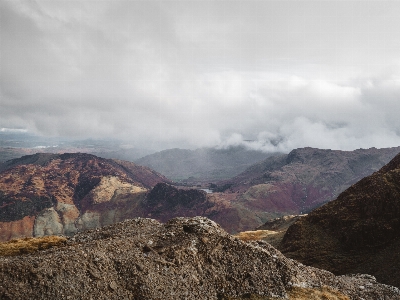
{"x": 49, "y": 194}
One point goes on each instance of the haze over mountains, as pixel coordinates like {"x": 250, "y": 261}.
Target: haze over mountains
{"x": 202, "y": 164}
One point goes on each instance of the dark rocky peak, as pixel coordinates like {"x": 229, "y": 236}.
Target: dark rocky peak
{"x": 169, "y": 196}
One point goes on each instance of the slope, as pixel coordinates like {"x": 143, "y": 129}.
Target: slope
{"x": 357, "y": 232}
{"x": 304, "y": 179}
{"x": 45, "y": 194}
{"x": 182, "y": 259}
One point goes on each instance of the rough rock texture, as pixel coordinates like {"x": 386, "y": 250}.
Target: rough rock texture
{"x": 357, "y": 232}
{"x": 186, "y": 258}
{"x": 46, "y": 194}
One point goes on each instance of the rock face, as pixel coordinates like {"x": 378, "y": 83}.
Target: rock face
{"x": 304, "y": 179}
{"x": 357, "y": 232}
{"x": 186, "y": 258}
{"x": 45, "y": 194}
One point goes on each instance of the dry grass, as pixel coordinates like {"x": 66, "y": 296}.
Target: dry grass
{"x": 29, "y": 245}
{"x": 255, "y": 235}
{"x": 323, "y": 293}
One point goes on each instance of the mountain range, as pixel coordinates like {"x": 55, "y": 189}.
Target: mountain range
{"x": 64, "y": 193}
{"x": 304, "y": 179}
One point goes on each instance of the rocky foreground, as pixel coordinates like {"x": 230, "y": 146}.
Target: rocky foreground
{"x": 185, "y": 258}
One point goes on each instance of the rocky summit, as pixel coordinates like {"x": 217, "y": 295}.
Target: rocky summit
{"x": 185, "y": 258}
{"x": 357, "y": 232}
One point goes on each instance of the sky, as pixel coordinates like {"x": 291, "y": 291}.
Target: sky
{"x": 271, "y": 75}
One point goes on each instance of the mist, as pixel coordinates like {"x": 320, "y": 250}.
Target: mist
{"x": 268, "y": 75}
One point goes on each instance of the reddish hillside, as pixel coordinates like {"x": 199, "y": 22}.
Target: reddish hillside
{"x": 45, "y": 194}
{"x": 304, "y": 179}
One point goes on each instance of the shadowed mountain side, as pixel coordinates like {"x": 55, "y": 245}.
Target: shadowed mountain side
{"x": 357, "y": 232}
{"x": 202, "y": 164}
{"x": 186, "y": 258}
{"x": 164, "y": 202}
{"x": 304, "y": 179}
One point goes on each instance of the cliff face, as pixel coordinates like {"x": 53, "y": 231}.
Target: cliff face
{"x": 46, "y": 194}
{"x": 357, "y": 232}
{"x": 186, "y": 258}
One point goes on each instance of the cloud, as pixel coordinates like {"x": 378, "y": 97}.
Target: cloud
{"x": 272, "y": 75}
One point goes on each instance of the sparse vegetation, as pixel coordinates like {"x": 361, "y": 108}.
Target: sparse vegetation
{"x": 323, "y": 293}
{"x": 29, "y": 245}
{"x": 254, "y": 235}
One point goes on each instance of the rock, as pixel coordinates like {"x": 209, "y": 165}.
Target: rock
{"x": 185, "y": 258}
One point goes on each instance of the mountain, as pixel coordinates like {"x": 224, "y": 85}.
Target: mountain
{"x": 46, "y": 194}
{"x": 357, "y": 232}
{"x": 202, "y": 164}
{"x": 186, "y": 258}
{"x": 302, "y": 180}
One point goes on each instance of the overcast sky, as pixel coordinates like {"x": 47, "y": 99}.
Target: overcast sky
{"x": 163, "y": 74}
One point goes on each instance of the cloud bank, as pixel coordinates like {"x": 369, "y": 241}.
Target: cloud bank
{"x": 271, "y": 75}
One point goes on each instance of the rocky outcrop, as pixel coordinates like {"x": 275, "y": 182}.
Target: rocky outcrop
{"x": 186, "y": 258}
{"x": 46, "y": 194}
{"x": 357, "y": 232}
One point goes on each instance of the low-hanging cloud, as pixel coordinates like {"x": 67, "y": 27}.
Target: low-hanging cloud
{"x": 202, "y": 73}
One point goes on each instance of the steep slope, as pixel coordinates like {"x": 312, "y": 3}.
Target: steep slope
{"x": 304, "y": 179}
{"x": 46, "y": 194}
{"x": 357, "y": 232}
{"x": 182, "y": 259}
{"x": 202, "y": 164}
